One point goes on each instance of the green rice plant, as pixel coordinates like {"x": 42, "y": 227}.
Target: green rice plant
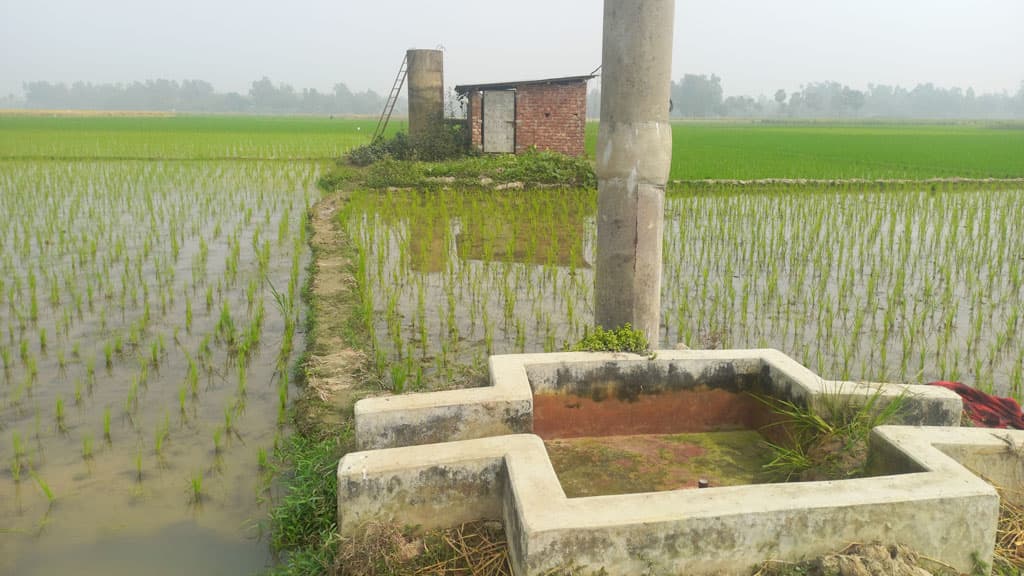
{"x": 16, "y": 469}
{"x": 399, "y": 374}
{"x": 262, "y": 463}
{"x": 106, "y": 425}
{"x": 62, "y": 362}
{"x": 193, "y": 377}
{"x": 159, "y": 439}
{"x": 182, "y": 392}
{"x": 154, "y": 354}
{"x": 131, "y": 403}
{"x": 250, "y": 293}
{"x": 59, "y": 415}
{"x": 229, "y": 419}
{"x": 226, "y": 326}
{"x": 17, "y": 456}
{"x": 31, "y": 369}
{"x": 42, "y": 486}
{"x": 87, "y": 447}
{"x": 217, "y": 442}
{"x": 242, "y": 374}
{"x": 282, "y": 397}
{"x": 196, "y": 488}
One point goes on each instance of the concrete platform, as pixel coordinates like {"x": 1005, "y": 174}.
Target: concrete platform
{"x": 507, "y": 406}
{"x": 929, "y": 501}
{"x": 440, "y": 459}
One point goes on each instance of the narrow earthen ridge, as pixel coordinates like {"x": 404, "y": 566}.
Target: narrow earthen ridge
{"x": 931, "y": 503}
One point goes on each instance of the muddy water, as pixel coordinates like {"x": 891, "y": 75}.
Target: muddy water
{"x": 139, "y": 262}
{"x": 908, "y": 285}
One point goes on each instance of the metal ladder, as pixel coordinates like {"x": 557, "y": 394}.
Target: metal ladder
{"x": 389, "y": 106}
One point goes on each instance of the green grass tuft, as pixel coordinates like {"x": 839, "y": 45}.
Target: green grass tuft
{"x": 304, "y": 522}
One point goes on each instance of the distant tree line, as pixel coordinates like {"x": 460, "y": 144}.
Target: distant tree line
{"x": 264, "y": 96}
{"x": 702, "y": 96}
{"x": 693, "y": 96}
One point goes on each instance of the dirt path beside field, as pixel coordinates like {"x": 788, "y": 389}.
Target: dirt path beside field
{"x": 331, "y": 366}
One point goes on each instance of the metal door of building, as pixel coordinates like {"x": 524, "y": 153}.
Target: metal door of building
{"x": 500, "y": 121}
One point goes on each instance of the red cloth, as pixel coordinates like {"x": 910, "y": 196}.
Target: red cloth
{"x": 985, "y": 409}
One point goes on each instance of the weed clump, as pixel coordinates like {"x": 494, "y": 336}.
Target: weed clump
{"x": 304, "y": 522}
{"x": 445, "y": 142}
{"x": 829, "y": 446}
{"x": 622, "y": 339}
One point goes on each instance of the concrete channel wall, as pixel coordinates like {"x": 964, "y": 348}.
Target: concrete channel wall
{"x": 943, "y": 510}
{"x": 506, "y": 407}
{"x": 439, "y": 459}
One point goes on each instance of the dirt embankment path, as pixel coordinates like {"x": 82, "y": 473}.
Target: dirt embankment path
{"x": 332, "y": 366}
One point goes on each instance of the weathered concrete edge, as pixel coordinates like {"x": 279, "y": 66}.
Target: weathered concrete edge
{"x": 511, "y": 477}
{"x": 506, "y": 407}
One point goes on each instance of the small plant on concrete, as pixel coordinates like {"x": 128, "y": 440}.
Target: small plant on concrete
{"x": 829, "y": 446}
{"x": 623, "y": 339}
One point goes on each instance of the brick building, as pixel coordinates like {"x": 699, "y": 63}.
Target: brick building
{"x": 514, "y": 116}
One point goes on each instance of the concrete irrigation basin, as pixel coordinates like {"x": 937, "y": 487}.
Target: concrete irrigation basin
{"x": 478, "y": 458}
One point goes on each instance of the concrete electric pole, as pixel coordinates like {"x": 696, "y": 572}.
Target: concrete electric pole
{"x": 634, "y": 154}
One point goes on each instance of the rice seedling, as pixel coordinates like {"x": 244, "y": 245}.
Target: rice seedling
{"x": 87, "y": 447}
{"x": 849, "y": 263}
{"x": 18, "y": 455}
{"x": 196, "y": 488}
{"x": 106, "y": 425}
{"x": 59, "y": 415}
{"x": 42, "y": 486}
{"x": 182, "y": 392}
{"x": 159, "y": 439}
{"x": 108, "y": 354}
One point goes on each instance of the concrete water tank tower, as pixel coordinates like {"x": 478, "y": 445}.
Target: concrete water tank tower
{"x": 426, "y": 91}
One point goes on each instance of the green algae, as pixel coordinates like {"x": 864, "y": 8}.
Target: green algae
{"x": 598, "y": 466}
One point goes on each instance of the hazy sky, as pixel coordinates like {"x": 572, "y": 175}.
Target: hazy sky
{"x": 755, "y": 46}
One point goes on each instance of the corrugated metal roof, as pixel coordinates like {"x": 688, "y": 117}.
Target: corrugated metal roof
{"x": 464, "y": 88}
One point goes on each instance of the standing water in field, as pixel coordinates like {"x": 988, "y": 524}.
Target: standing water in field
{"x": 149, "y": 314}
{"x": 857, "y": 283}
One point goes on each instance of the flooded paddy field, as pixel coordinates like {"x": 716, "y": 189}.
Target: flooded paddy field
{"x": 913, "y": 283}
{"x": 148, "y": 319}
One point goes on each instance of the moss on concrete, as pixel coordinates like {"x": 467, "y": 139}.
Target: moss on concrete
{"x": 650, "y": 463}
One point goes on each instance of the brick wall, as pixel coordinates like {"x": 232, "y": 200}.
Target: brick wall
{"x": 474, "y": 117}
{"x": 551, "y": 117}
{"x": 548, "y": 116}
